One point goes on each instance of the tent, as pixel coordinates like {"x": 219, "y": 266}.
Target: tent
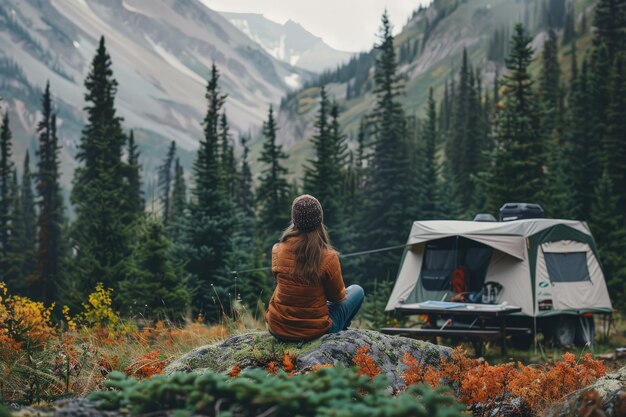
{"x": 546, "y": 266}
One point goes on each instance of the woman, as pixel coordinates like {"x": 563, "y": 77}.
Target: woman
{"x": 310, "y": 298}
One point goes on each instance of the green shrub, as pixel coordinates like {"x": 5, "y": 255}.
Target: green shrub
{"x": 4, "y": 412}
{"x": 336, "y": 392}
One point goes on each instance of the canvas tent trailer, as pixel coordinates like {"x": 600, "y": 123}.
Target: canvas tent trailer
{"x": 548, "y": 267}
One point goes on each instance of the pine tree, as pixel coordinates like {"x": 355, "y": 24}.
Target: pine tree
{"x": 208, "y": 228}
{"x": 136, "y": 201}
{"x": 458, "y": 137}
{"x": 391, "y": 190}
{"x": 338, "y": 221}
{"x": 466, "y": 143}
{"x": 581, "y": 148}
{"x": 574, "y": 66}
{"x": 449, "y": 206}
{"x": 153, "y": 287}
{"x": 597, "y": 103}
{"x": 610, "y": 24}
{"x": 313, "y": 178}
{"x": 609, "y": 230}
{"x": 561, "y": 196}
{"x": 101, "y": 236}
{"x": 253, "y": 287}
{"x": 496, "y": 90}
{"x": 429, "y": 178}
{"x": 556, "y": 13}
{"x": 518, "y": 159}
{"x": 445, "y": 110}
{"x": 29, "y": 218}
{"x": 227, "y": 157}
{"x": 6, "y": 172}
{"x": 569, "y": 28}
{"x": 550, "y": 82}
{"x": 51, "y": 245}
{"x": 178, "y": 203}
{"x": 615, "y": 142}
{"x": 14, "y": 258}
{"x": 165, "y": 184}
{"x": 325, "y": 176}
{"x": 245, "y": 196}
{"x": 551, "y": 121}
{"x": 273, "y": 192}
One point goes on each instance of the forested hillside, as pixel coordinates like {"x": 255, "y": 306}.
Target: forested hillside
{"x": 429, "y": 50}
{"x": 536, "y": 133}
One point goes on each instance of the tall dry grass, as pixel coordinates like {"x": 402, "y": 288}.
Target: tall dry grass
{"x": 43, "y": 360}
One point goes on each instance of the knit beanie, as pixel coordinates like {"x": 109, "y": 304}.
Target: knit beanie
{"x": 306, "y": 213}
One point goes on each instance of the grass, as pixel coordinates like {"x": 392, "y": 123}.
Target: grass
{"x": 42, "y": 361}
{"x": 546, "y": 352}
{"x": 75, "y": 363}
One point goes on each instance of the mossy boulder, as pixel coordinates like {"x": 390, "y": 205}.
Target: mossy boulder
{"x": 605, "y": 397}
{"x": 257, "y": 349}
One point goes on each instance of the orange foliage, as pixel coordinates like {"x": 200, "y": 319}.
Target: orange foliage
{"x": 365, "y": 363}
{"x": 107, "y": 363}
{"x": 8, "y": 346}
{"x": 458, "y": 364}
{"x": 316, "y": 368}
{"x": 84, "y": 348}
{"x": 485, "y": 383}
{"x": 147, "y": 365}
{"x": 479, "y": 382}
{"x": 234, "y": 371}
{"x": 414, "y": 374}
{"x": 287, "y": 362}
{"x": 540, "y": 387}
{"x": 271, "y": 368}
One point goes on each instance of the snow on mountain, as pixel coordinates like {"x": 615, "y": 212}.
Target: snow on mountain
{"x": 289, "y": 42}
{"x": 162, "y": 52}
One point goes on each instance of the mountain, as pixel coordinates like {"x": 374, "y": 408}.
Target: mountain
{"x": 429, "y": 49}
{"x": 289, "y": 42}
{"x": 162, "y": 51}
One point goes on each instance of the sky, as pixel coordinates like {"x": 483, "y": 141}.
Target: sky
{"x": 347, "y": 25}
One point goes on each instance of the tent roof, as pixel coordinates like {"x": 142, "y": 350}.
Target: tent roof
{"x": 436, "y": 229}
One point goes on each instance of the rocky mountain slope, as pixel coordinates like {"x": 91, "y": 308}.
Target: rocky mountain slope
{"x": 289, "y": 42}
{"x": 429, "y": 49}
{"x": 162, "y": 52}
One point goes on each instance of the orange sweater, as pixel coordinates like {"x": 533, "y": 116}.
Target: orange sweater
{"x": 299, "y": 312}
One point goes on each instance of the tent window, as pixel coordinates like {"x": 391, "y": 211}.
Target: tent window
{"x": 437, "y": 268}
{"x": 567, "y": 267}
{"x": 442, "y": 256}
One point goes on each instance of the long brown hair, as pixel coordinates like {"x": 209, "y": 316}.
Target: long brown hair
{"x": 309, "y": 248}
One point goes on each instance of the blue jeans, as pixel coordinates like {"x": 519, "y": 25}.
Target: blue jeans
{"x": 342, "y": 312}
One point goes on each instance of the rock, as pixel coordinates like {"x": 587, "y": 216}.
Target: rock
{"x": 605, "y": 397}
{"x": 257, "y": 349}
{"x": 76, "y": 407}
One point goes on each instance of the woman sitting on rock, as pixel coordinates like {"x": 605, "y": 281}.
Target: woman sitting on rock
{"x": 310, "y": 298}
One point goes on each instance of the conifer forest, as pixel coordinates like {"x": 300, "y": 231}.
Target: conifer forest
{"x": 540, "y": 135}
{"x": 135, "y": 228}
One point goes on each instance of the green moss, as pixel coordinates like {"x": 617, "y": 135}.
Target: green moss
{"x": 206, "y": 360}
{"x": 264, "y": 348}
